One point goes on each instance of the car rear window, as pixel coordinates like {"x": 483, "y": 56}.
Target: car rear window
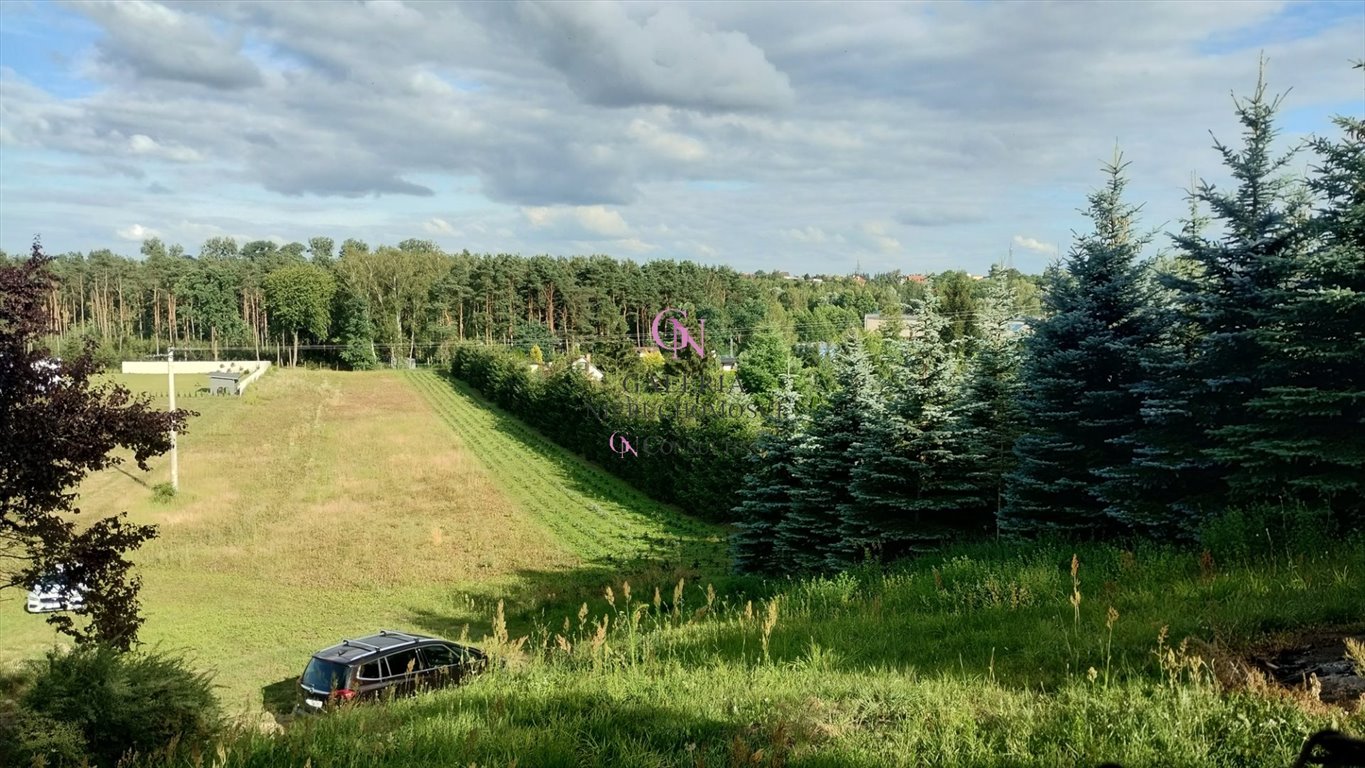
{"x": 324, "y": 675}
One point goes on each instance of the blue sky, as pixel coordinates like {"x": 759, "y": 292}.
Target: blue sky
{"x": 811, "y": 137}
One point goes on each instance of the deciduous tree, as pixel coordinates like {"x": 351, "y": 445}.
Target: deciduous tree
{"x": 57, "y": 426}
{"x": 300, "y": 299}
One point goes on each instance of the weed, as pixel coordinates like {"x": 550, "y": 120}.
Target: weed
{"x": 163, "y": 493}
{"x": 1355, "y": 651}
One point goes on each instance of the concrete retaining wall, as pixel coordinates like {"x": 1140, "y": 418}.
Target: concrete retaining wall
{"x": 254, "y": 368}
{"x": 250, "y": 377}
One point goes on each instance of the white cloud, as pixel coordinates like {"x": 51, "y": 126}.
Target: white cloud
{"x": 805, "y": 137}
{"x": 151, "y": 40}
{"x": 586, "y": 219}
{"x": 600, "y": 220}
{"x": 878, "y": 235}
{"x": 1031, "y": 244}
{"x": 669, "y": 57}
{"x": 806, "y": 235}
{"x": 141, "y": 144}
{"x": 666, "y": 143}
{"x": 435, "y": 226}
{"x": 425, "y": 83}
{"x": 635, "y": 245}
{"x": 136, "y": 233}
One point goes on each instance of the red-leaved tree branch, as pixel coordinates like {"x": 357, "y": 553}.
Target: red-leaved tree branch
{"x": 56, "y": 427}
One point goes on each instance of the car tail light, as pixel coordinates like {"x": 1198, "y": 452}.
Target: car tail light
{"x": 345, "y": 694}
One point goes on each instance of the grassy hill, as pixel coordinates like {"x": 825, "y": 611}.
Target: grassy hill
{"x": 325, "y": 504}
{"x": 983, "y": 656}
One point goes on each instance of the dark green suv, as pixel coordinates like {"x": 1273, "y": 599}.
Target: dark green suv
{"x": 387, "y": 662}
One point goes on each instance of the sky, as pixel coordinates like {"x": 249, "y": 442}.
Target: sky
{"x": 810, "y": 137}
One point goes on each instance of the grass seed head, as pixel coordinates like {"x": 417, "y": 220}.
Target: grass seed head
{"x": 1355, "y": 650}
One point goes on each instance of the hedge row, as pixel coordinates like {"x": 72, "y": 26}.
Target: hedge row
{"x": 684, "y": 449}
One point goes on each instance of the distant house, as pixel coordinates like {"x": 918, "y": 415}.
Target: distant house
{"x": 584, "y": 364}
{"x": 822, "y": 349}
{"x": 914, "y": 279}
{"x": 872, "y": 322}
{"x": 1016, "y": 327}
{"x": 729, "y": 363}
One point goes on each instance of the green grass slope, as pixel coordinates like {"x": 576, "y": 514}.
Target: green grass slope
{"x": 982, "y": 656}
{"x": 325, "y": 504}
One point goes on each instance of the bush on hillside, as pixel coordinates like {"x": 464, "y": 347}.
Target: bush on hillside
{"x": 101, "y": 704}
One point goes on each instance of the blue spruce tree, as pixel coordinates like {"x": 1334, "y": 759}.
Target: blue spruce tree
{"x": 810, "y": 536}
{"x": 769, "y": 489}
{"x": 1082, "y": 364}
{"x": 912, "y": 475}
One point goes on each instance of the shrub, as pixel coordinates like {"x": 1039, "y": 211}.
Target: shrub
{"x": 30, "y": 738}
{"x": 116, "y": 703}
{"x": 163, "y": 492}
{"x": 1249, "y": 535}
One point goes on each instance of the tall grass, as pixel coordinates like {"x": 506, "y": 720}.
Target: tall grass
{"x": 984, "y": 655}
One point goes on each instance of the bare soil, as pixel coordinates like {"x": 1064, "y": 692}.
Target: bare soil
{"x": 1295, "y": 662}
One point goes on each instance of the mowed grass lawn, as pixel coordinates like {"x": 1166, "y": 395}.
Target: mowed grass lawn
{"x": 326, "y": 504}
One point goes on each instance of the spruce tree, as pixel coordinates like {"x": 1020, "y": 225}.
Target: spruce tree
{"x": 809, "y": 538}
{"x": 1164, "y": 469}
{"x": 769, "y": 488}
{"x": 1303, "y": 437}
{"x": 993, "y": 419}
{"x": 911, "y": 479}
{"x": 1199, "y": 423}
{"x": 1081, "y": 365}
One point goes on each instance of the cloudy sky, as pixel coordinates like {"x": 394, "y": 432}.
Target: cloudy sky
{"x": 803, "y": 136}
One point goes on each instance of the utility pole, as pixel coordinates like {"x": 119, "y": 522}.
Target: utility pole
{"x": 175, "y": 457}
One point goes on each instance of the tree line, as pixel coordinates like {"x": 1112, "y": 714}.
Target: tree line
{"x": 1153, "y": 397}
{"x": 361, "y": 307}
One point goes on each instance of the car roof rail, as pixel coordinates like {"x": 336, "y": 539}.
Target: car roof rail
{"x": 359, "y": 644}
{"x": 402, "y": 635}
